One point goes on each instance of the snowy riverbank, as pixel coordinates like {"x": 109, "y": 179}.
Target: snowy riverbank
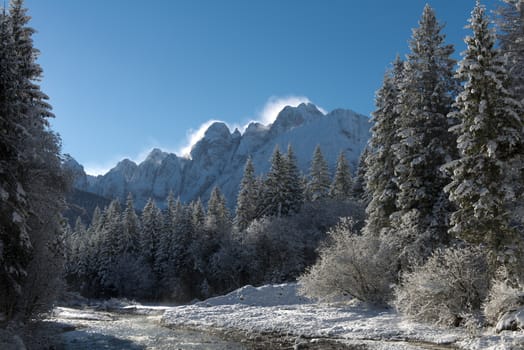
{"x": 277, "y": 309}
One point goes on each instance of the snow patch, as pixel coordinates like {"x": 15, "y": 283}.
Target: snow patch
{"x": 279, "y": 308}
{"x": 267, "y": 295}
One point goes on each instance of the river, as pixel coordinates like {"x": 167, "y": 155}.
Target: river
{"x": 92, "y": 330}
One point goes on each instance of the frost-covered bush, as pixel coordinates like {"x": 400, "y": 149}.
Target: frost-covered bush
{"x": 450, "y": 286}
{"x": 351, "y": 264}
{"x": 503, "y": 296}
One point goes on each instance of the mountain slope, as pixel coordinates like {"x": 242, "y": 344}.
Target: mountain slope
{"x": 219, "y": 157}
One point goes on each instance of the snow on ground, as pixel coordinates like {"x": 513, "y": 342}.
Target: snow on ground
{"x": 279, "y": 309}
{"x": 268, "y": 295}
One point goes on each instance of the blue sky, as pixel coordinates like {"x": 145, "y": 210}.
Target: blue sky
{"x": 125, "y": 76}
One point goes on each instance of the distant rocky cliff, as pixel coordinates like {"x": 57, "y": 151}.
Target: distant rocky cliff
{"x": 218, "y": 158}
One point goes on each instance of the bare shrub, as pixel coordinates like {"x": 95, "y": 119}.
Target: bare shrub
{"x": 350, "y": 264}
{"x": 447, "y": 289}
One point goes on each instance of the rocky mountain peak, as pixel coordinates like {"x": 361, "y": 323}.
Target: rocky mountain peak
{"x": 217, "y": 138}
{"x": 156, "y": 156}
{"x": 76, "y": 170}
{"x": 291, "y": 117}
{"x": 217, "y": 131}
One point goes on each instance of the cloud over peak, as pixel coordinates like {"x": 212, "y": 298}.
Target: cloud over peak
{"x": 275, "y": 104}
{"x": 266, "y": 116}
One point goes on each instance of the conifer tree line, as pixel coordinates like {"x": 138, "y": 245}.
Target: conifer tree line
{"x": 442, "y": 178}
{"x": 32, "y": 184}
{"x": 446, "y": 151}
{"x": 194, "y": 250}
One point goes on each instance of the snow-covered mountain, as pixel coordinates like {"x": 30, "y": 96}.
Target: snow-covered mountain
{"x": 218, "y": 159}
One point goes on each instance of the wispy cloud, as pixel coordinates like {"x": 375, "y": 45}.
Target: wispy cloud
{"x": 193, "y": 136}
{"x": 275, "y": 104}
{"x": 267, "y": 115}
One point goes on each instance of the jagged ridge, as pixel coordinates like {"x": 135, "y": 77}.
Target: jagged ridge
{"x": 219, "y": 157}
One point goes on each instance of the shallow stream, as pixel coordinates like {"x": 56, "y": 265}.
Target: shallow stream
{"x": 102, "y": 330}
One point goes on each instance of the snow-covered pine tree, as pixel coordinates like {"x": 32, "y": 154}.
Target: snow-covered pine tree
{"x": 489, "y": 138}
{"x": 380, "y": 170}
{"x": 73, "y": 244}
{"x": 164, "y": 260}
{"x": 359, "y": 191}
{"x": 14, "y": 239}
{"x": 76, "y": 242}
{"x": 32, "y": 184}
{"x": 319, "y": 181}
{"x": 189, "y": 221}
{"x": 424, "y": 143}
{"x": 110, "y": 247}
{"x": 217, "y": 217}
{"x": 130, "y": 227}
{"x": 247, "y": 198}
{"x": 171, "y": 211}
{"x": 198, "y": 214}
{"x": 342, "y": 185}
{"x": 274, "y": 196}
{"x": 293, "y": 182}
{"x": 510, "y": 24}
{"x": 152, "y": 226}
{"x": 95, "y": 218}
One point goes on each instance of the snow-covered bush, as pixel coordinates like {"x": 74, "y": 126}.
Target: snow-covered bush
{"x": 503, "y": 296}
{"x": 449, "y": 287}
{"x": 351, "y": 264}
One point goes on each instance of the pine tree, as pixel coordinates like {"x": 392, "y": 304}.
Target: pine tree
{"x": 166, "y": 241}
{"x": 130, "y": 227}
{"x": 32, "y": 184}
{"x": 293, "y": 182}
{"x": 424, "y": 143}
{"x": 181, "y": 264}
{"x": 510, "y": 23}
{"x": 247, "y": 196}
{"x": 170, "y": 213}
{"x": 152, "y": 226}
{"x": 198, "y": 215}
{"x": 218, "y": 217}
{"x": 110, "y": 247}
{"x": 341, "y": 187}
{"x": 74, "y": 239}
{"x": 489, "y": 138}
{"x": 274, "y": 202}
{"x": 14, "y": 238}
{"x": 359, "y": 190}
{"x": 319, "y": 180}
{"x": 380, "y": 172}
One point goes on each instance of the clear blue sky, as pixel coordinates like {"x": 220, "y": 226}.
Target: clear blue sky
{"x": 125, "y": 76}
